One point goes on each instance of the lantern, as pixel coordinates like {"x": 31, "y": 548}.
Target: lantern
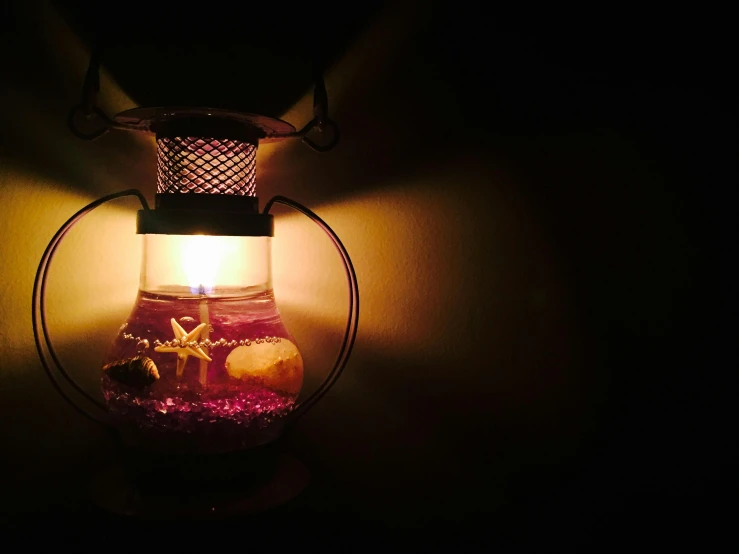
{"x": 204, "y": 367}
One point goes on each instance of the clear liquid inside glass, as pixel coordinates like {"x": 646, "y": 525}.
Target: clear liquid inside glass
{"x": 202, "y": 373}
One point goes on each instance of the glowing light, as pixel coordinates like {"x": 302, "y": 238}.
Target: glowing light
{"x": 204, "y": 263}
{"x": 203, "y": 258}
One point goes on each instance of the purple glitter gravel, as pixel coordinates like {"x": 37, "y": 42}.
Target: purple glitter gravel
{"x": 189, "y": 418}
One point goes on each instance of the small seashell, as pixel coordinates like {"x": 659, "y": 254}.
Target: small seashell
{"x": 187, "y": 319}
{"x": 138, "y": 372}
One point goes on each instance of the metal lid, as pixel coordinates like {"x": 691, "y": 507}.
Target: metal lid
{"x": 155, "y": 119}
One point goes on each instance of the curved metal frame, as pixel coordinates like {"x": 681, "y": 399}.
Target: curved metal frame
{"x": 41, "y": 331}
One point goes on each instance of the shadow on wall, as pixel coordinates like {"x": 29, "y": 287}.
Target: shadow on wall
{"x": 541, "y": 255}
{"x": 468, "y": 326}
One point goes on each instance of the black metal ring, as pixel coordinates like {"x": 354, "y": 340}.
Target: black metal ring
{"x": 331, "y": 124}
{"x": 204, "y": 222}
{"x": 81, "y": 134}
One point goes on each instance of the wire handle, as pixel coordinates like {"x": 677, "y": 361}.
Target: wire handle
{"x": 352, "y": 322}
{"x": 38, "y": 312}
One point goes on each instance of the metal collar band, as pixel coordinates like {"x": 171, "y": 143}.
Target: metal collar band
{"x": 205, "y": 214}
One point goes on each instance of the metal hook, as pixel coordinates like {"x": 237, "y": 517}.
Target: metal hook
{"x": 321, "y": 122}
{"x": 88, "y": 108}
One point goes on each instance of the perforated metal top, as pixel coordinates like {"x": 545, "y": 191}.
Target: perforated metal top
{"x": 204, "y": 150}
{"x": 206, "y": 165}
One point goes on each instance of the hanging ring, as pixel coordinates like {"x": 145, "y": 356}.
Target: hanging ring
{"x": 80, "y": 113}
{"x": 323, "y": 126}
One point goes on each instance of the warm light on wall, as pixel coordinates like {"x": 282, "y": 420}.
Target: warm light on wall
{"x": 33, "y": 207}
{"x": 431, "y": 274}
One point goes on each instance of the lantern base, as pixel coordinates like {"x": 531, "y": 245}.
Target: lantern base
{"x": 196, "y": 487}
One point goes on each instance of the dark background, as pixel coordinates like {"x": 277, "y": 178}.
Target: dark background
{"x": 618, "y": 126}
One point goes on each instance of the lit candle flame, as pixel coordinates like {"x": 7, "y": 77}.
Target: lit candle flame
{"x": 203, "y": 259}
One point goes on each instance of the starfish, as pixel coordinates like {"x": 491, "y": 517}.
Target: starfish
{"x": 181, "y": 345}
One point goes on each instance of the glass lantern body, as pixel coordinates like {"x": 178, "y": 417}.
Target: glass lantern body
{"x": 204, "y": 363}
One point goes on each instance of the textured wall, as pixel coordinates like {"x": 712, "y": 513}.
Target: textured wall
{"x": 535, "y": 260}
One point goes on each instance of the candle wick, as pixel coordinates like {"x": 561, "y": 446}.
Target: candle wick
{"x": 204, "y": 318}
